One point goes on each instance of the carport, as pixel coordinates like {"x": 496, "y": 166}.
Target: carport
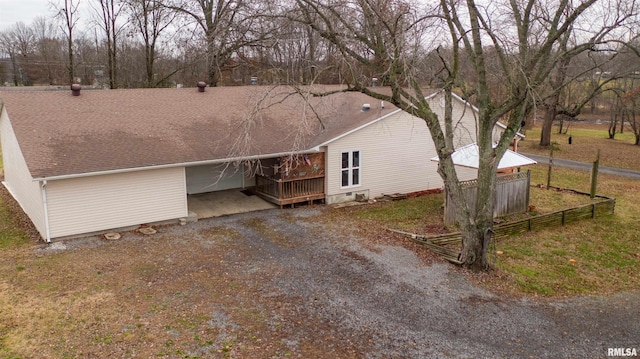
{"x": 221, "y": 203}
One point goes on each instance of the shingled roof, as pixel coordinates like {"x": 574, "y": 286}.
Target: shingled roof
{"x": 105, "y": 130}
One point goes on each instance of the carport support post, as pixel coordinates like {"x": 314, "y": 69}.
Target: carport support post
{"x": 594, "y": 175}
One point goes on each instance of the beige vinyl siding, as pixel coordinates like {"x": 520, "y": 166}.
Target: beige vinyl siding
{"x": 466, "y": 173}
{"x": 497, "y": 133}
{"x": 464, "y": 120}
{"x": 96, "y": 203}
{"x": 210, "y": 178}
{"x": 394, "y": 158}
{"x": 18, "y": 179}
{"x": 396, "y": 154}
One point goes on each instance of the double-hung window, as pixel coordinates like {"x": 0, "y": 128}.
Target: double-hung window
{"x": 350, "y": 176}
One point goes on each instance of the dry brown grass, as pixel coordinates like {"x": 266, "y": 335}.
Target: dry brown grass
{"x": 145, "y": 297}
{"x": 592, "y": 256}
{"x": 587, "y": 140}
{"x": 424, "y": 214}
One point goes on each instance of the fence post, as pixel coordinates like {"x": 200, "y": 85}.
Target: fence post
{"x": 528, "y": 188}
{"x": 594, "y": 175}
{"x": 550, "y": 166}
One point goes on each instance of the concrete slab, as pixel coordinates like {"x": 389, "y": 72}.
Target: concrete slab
{"x": 221, "y": 203}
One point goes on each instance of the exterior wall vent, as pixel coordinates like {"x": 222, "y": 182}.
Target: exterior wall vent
{"x": 201, "y": 86}
{"x": 75, "y": 89}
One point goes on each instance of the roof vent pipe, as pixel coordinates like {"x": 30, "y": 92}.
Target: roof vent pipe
{"x": 374, "y": 82}
{"x": 201, "y": 86}
{"x": 366, "y": 107}
{"x": 75, "y": 89}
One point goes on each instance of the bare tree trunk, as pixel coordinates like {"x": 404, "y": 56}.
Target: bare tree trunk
{"x": 14, "y": 68}
{"x": 547, "y": 124}
{"x": 109, "y": 17}
{"x": 110, "y": 64}
{"x": 613, "y": 125}
{"x": 213, "y": 65}
{"x": 634, "y": 123}
{"x": 71, "y": 65}
{"x": 68, "y": 14}
{"x": 560, "y": 125}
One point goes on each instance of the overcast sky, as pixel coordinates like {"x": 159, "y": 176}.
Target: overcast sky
{"x": 12, "y": 11}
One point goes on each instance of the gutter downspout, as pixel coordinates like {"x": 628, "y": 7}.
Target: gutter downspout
{"x": 43, "y": 186}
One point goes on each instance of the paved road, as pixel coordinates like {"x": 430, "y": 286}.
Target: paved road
{"x": 582, "y": 166}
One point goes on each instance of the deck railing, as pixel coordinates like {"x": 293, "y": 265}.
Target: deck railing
{"x": 290, "y": 191}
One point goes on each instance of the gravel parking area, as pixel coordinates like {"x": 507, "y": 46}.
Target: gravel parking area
{"x": 287, "y": 284}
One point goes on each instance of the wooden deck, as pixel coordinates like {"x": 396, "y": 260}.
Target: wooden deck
{"x": 284, "y": 192}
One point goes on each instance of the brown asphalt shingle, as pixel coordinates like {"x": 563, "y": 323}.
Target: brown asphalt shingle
{"x": 103, "y": 130}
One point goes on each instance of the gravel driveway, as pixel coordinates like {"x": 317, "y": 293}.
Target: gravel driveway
{"x": 325, "y": 283}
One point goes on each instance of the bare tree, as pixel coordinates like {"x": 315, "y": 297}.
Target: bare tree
{"x": 8, "y": 46}
{"x": 108, "y": 13}
{"x": 67, "y": 12}
{"x": 633, "y": 112}
{"x": 151, "y": 20}
{"x": 626, "y": 106}
{"x": 227, "y": 26}
{"x": 616, "y": 114}
{"x": 48, "y": 47}
{"x": 18, "y": 42}
{"x": 588, "y": 61}
{"x": 384, "y": 37}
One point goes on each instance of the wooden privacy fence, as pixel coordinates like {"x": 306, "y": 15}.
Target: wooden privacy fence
{"x": 448, "y": 245}
{"x": 511, "y": 196}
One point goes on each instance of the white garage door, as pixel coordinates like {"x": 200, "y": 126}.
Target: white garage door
{"x": 203, "y": 179}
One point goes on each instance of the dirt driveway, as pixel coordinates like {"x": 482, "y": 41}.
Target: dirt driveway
{"x": 277, "y": 284}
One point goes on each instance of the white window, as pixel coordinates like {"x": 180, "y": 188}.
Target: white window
{"x": 350, "y": 169}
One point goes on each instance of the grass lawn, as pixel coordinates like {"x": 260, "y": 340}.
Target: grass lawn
{"x": 423, "y": 215}
{"x": 586, "y": 140}
{"x": 587, "y": 257}
{"x": 591, "y": 256}
{"x": 10, "y": 233}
